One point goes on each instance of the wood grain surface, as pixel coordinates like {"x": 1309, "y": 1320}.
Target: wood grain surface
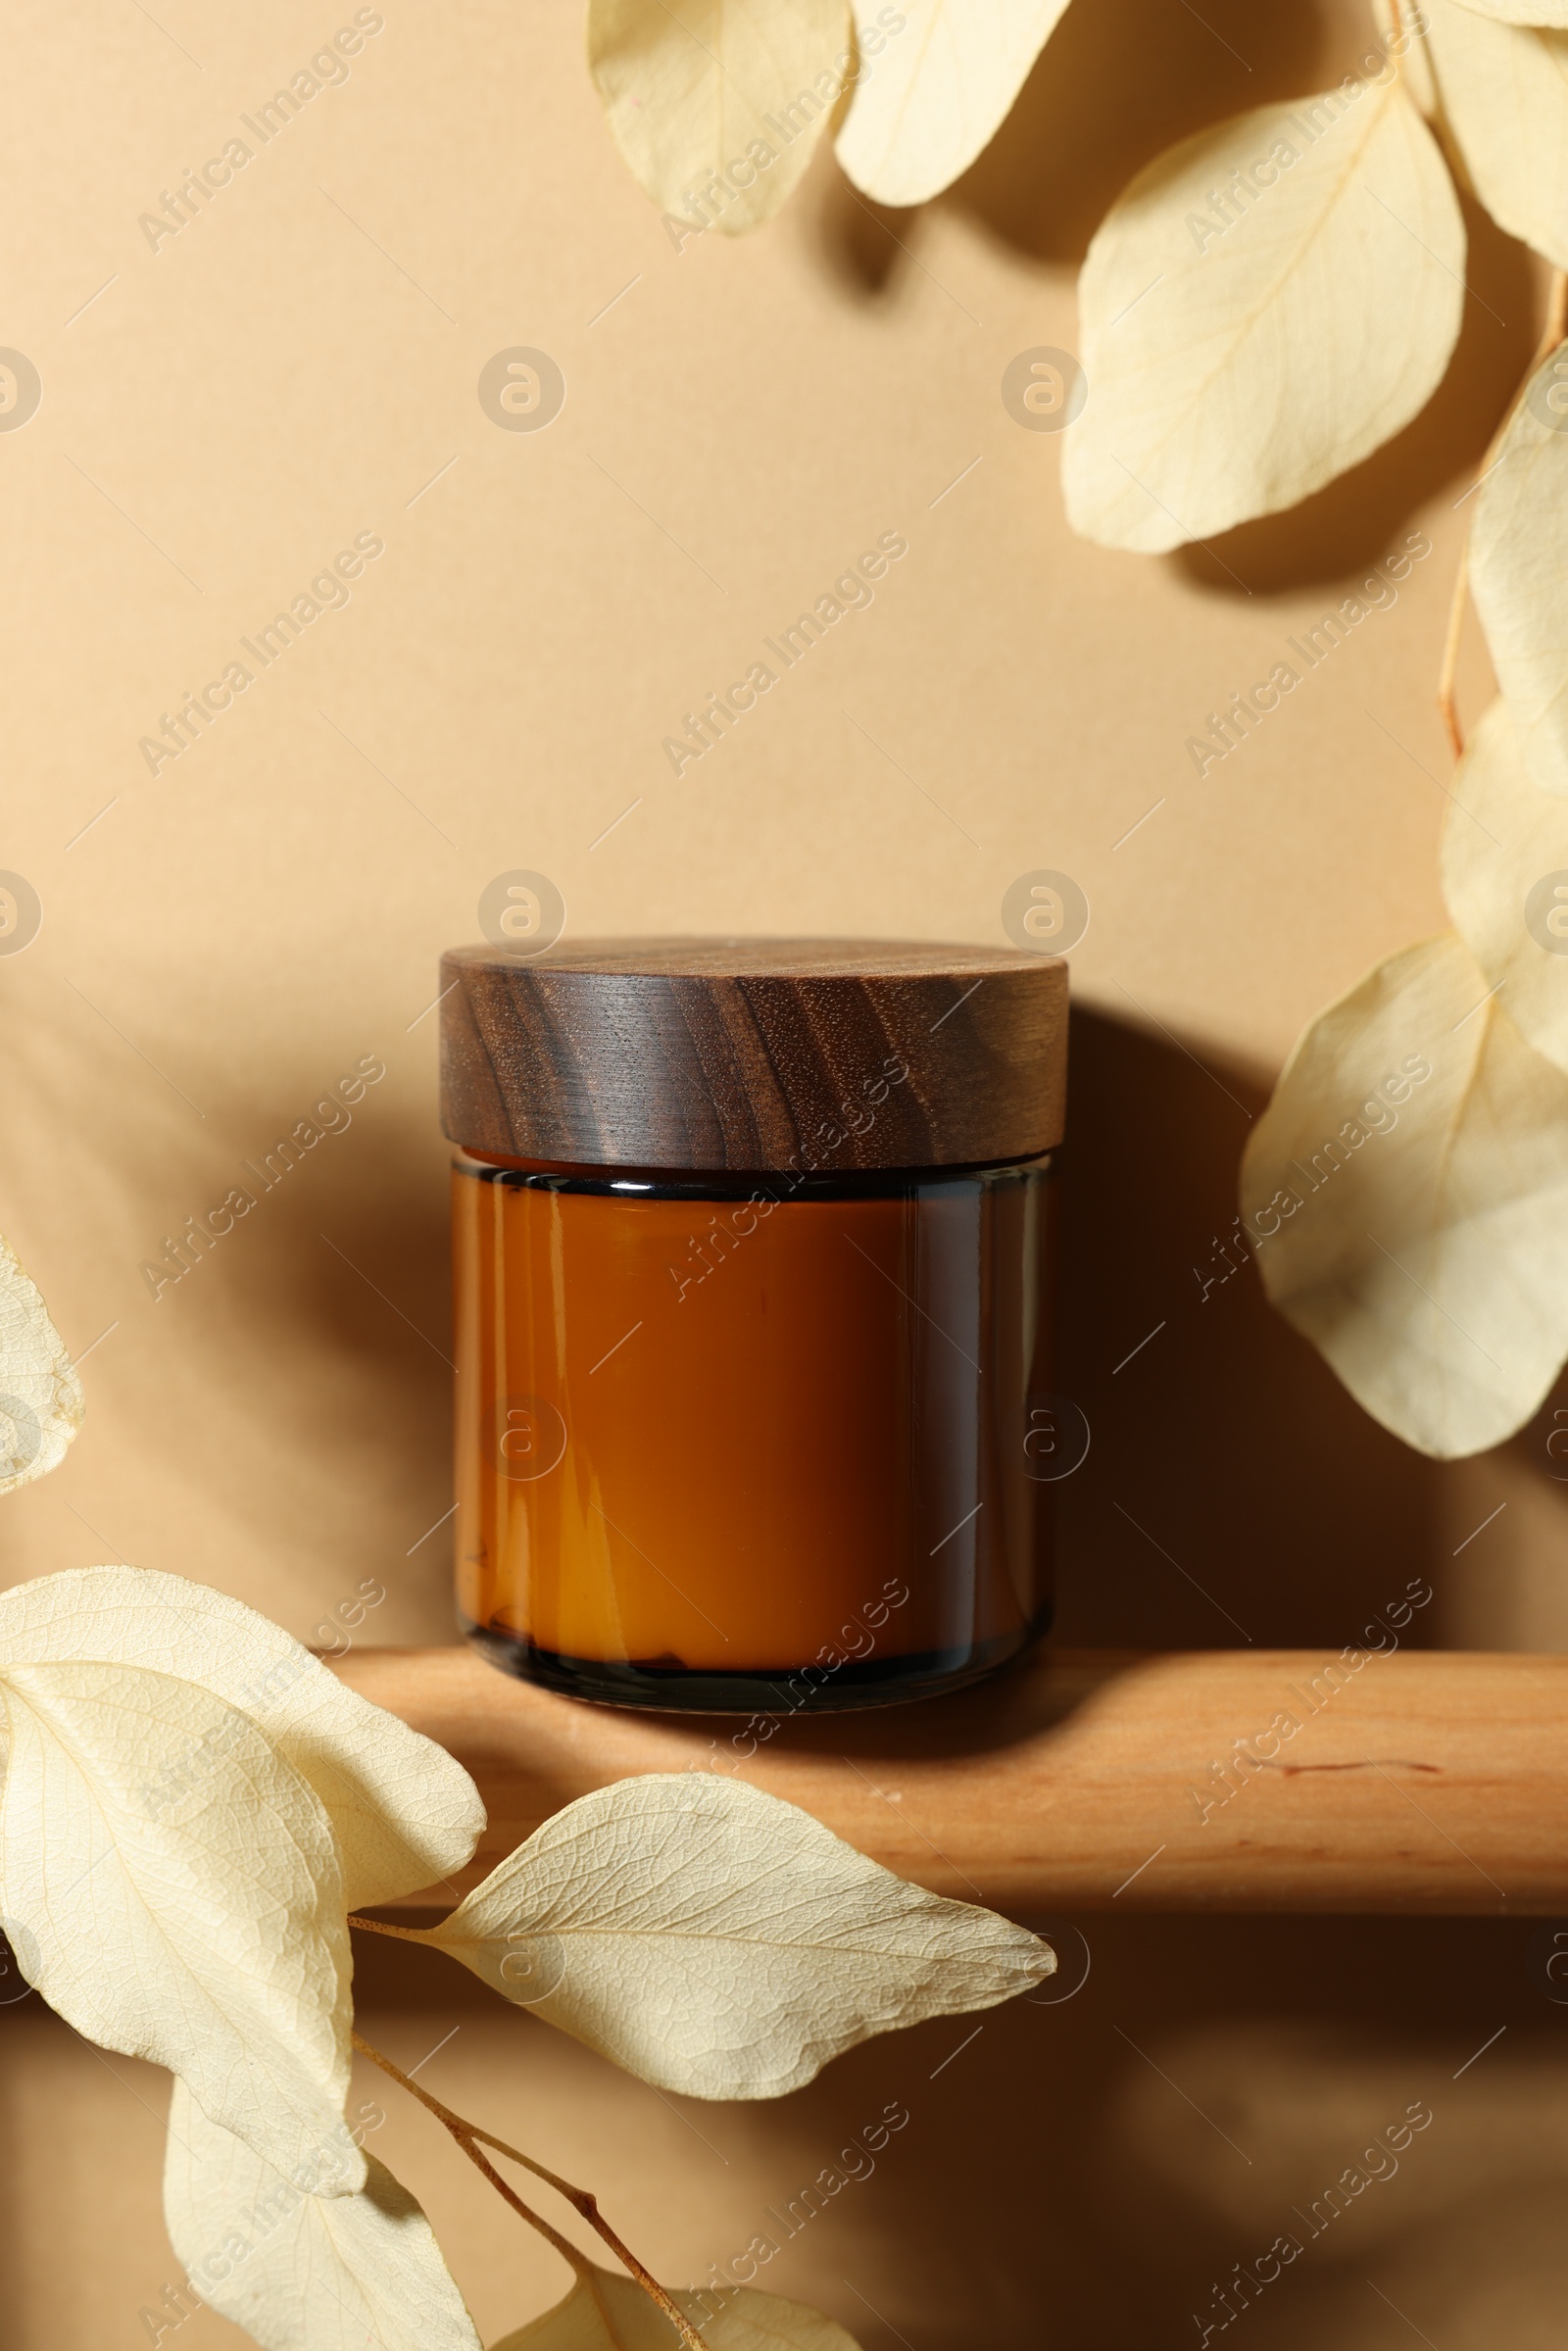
{"x": 827, "y": 1054}
{"x": 1433, "y": 1782}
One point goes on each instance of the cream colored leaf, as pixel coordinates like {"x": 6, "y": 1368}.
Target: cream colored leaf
{"x": 40, "y": 1392}
{"x": 1406, "y": 1191}
{"x": 406, "y": 1813}
{"x": 1519, "y": 571}
{"x": 1504, "y": 89}
{"x": 719, "y": 1941}
{"x": 172, "y": 1887}
{"x": 1505, "y": 879}
{"x": 301, "y": 2272}
{"x": 1267, "y": 302}
{"x": 1521, "y": 11}
{"x": 716, "y": 104}
{"x": 937, "y": 91}
{"x": 607, "y": 2313}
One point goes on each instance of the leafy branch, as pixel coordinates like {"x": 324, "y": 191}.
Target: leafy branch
{"x": 191, "y": 1795}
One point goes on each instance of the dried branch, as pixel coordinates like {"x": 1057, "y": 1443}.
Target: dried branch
{"x": 469, "y": 2136}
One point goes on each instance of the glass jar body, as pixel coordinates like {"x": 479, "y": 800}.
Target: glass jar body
{"x": 752, "y": 1443}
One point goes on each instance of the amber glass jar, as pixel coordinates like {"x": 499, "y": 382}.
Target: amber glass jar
{"x": 751, "y": 1253}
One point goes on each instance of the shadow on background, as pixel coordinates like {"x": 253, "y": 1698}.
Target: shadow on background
{"x": 1232, "y": 1487}
{"x": 1089, "y": 2170}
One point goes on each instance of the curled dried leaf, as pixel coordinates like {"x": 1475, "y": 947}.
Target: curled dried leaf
{"x": 172, "y": 1887}
{"x": 40, "y": 1392}
{"x": 607, "y": 2313}
{"x": 406, "y": 1814}
{"x": 1265, "y": 305}
{"x": 301, "y": 2272}
{"x": 1503, "y": 91}
{"x": 1519, "y": 569}
{"x": 719, "y": 1941}
{"x": 936, "y": 92}
{"x": 716, "y": 104}
{"x": 1408, "y": 1193}
{"x": 1505, "y": 879}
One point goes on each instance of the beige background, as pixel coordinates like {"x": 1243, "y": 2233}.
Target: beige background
{"x": 218, "y": 418}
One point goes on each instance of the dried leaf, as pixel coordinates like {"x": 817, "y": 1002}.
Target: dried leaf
{"x": 40, "y": 1393}
{"x": 1505, "y": 879}
{"x": 716, "y": 104}
{"x": 1504, "y": 89}
{"x": 719, "y": 1941}
{"x": 171, "y": 1888}
{"x": 1517, "y": 569}
{"x": 936, "y": 94}
{"x": 607, "y": 2313}
{"x": 406, "y": 1813}
{"x": 303, "y": 2272}
{"x": 1408, "y": 1193}
{"x": 1262, "y": 307}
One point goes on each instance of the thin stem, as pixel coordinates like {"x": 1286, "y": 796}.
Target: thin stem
{"x": 1551, "y": 335}
{"x": 408, "y": 1935}
{"x": 1448, "y": 675}
{"x": 469, "y": 2134}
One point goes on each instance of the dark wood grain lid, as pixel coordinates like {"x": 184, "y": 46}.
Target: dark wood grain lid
{"x": 743, "y": 1053}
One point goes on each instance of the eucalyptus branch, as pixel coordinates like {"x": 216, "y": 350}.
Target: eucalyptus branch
{"x": 469, "y": 2136}
{"x": 1551, "y": 335}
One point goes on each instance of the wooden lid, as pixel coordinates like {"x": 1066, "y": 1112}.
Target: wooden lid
{"x": 754, "y": 1054}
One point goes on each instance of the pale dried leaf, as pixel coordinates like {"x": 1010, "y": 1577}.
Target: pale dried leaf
{"x": 1504, "y": 89}
{"x": 1519, "y": 571}
{"x": 40, "y": 1392}
{"x": 937, "y": 93}
{"x": 406, "y": 1813}
{"x": 303, "y": 2272}
{"x": 719, "y": 1941}
{"x": 607, "y": 2313}
{"x": 741, "y": 89}
{"x": 171, "y": 1888}
{"x": 1415, "y": 1227}
{"x": 1505, "y": 848}
{"x": 1233, "y": 368}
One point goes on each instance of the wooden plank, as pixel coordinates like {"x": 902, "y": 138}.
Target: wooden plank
{"x": 1231, "y": 1780}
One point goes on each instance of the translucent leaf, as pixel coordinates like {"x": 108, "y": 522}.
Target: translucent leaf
{"x": 716, "y": 104}
{"x": 1519, "y": 571}
{"x": 607, "y": 2313}
{"x": 40, "y": 1393}
{"x": 1505, "y": 879}
{"x": 302, "y": 2272}
{"x": 1265, "y": 305}
{"x": 719, "y": 1941}
{"x": 1504, "y": 89}
{"x": 937, "y": 92}
{"x": 1408, "y": 1193}
{"x": 171, "y": 1888}
{"x": 406, "y": 1813}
